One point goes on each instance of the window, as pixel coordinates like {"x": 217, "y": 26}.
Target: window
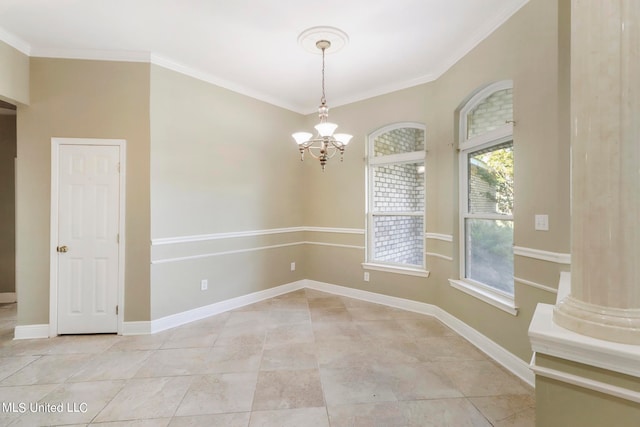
{"x": 396, "y": 198}
{"x": 486, "y": 195}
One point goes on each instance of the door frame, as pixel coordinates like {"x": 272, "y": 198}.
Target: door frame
{"x": 53, "y": 254}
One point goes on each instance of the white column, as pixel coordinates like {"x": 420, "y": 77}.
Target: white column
{"x": 605, "y": 138}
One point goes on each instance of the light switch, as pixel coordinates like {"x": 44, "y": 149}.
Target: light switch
{"x": 542, "y": 223}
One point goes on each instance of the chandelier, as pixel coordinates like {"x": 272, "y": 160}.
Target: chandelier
{"x": 325, "y": 144}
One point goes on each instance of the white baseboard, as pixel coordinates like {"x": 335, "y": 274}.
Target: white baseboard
{"x": 508, "y": 360}
{"x": 7, "y": 297}
{"x": 184, "y": 317}
{"x": 27, "y": 332}
{"x": 136, "y": 328}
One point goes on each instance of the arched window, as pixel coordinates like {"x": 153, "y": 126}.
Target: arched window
{"x": 486, "y": 194}
{"x": 396, "y": 198}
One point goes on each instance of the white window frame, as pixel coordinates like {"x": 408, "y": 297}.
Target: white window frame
{"x": 372, "y": 161}
{"x": 466, "y": 146}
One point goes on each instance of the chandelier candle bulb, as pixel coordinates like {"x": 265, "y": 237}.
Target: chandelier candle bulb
{"x": 325, "y": 145}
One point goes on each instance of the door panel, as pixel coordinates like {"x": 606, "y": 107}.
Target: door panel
{"x": 88, "y": 226}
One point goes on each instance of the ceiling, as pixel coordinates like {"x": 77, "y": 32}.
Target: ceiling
{"x": 251, "y": 47}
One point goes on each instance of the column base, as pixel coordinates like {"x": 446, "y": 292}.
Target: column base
{"x": 606, "y": 323}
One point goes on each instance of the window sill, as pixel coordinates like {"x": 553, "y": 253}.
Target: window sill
{"x": 503, "y": 303}
{"x": 396, "y": 269}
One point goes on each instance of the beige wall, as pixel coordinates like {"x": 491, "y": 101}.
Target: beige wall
{"x": 7, "y": 203}
{"x": 85, "y": 99}
{"x": 220, "y": 162}
{"x": 541, "y": 172}
{"x": 559, "y": 404}
{"x": 14, "y": 75}
{"x": 205, "y": 160}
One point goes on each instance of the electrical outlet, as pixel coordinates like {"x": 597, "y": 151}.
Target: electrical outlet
{"x": 542, "y": 222}
{"x": 204, "y": 284}
{"x": 293, "y": 266}
{"x": 366, "y": 276}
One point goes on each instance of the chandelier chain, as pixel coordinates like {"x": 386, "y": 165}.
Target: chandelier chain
{"x": 323, "y": 100}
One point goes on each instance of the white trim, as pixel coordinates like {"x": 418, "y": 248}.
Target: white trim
{"x": 226, "y": 84}
{"x": 257, "y": 248}
{"x": 502, "y": 302}
{"x": 136, "y": 328}
{"x": 508, "y": 360}
{"x": 556, "y": 257}
{"x": 7, "y": 297}
{"x": 436, "y": 255}
{"x": 334, "y": 230}
{"x": 438, "y": 236}
{"x": 251, "y": 233}
{"x": 337, "y": 245}
{"x": 495, "y": 217}
{"x": 28, "y": 332}
{"x": 15, "y": 41}
{"x": 397, "y": 213}
{"x": 376, "y": 298}
{"x": 53, "y": 255}
{"x": 548, "y": 338}
{"x": 411, "y": 157}
{"x": 535, "y": 285}
{"x": 420, "y": 272}
{"x": 226, "y": 235}
{"x": 599, "y": 386}
{"x": 92, "y": 54}
{"x": 212, "y": 254}
{"x": 189, "y": 316}
{"x": 498, "y": 353}
{"x": 481, "y": 33}
{"x": 496, "y": 136}
{"x": 152, "y": 58}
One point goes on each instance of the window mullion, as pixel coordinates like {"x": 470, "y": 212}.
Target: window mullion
{"x": 398, "y": 213}
{"x": 498, "y": 217}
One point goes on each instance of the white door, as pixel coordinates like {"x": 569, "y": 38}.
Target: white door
{"x": 88, "y": 215}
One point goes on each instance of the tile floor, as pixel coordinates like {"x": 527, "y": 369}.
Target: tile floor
{"x": 304, "y": 359}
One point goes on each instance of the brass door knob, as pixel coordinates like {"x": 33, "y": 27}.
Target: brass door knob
{"x": 62, "y": 249}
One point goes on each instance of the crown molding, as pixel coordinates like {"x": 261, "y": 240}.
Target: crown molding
{"x": 15, "y": 41}
{"x": 91, "y": 54}
{"x": 217, "y": 81}
{"x": 483, "y": 31}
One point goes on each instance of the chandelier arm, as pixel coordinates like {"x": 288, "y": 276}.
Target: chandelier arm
{"x": 316, "y": 151}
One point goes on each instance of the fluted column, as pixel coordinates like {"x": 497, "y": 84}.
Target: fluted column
{"x": 605, "y": 138}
